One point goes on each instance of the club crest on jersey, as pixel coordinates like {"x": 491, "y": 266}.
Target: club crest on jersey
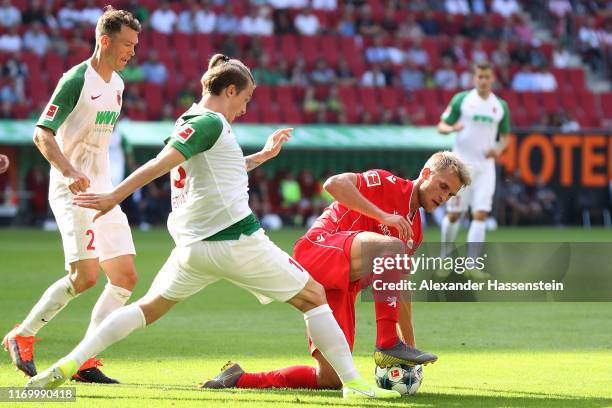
{"x": 51, "y": 112}
{"x": 391, "y": 178}
{"x": 372, "y": 178}
{"x": 185, "y": 133}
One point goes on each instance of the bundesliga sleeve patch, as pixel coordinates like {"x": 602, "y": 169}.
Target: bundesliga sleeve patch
{"x": 184, "y": 133}
{"x": 51, "y": 112}
{"x": 372, "y": 178}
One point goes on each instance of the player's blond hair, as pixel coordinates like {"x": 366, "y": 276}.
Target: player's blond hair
{"x": 448, "y": 160}
{"x": 224, "y": 71}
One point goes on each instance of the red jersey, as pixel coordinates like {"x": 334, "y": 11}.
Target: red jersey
{"x": 388, "y": 192}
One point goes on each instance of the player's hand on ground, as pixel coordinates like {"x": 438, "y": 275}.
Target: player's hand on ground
{"x": 275, "y": 143}
{"x": 101, "y": 202}
{"x": 458, "y": 127}
{"x": 4, "y": 163}
{"x": 400, "y": 223}
{"x": 78, "y": 182}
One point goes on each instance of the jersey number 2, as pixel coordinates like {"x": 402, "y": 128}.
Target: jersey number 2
{"x": 90, "y": 246}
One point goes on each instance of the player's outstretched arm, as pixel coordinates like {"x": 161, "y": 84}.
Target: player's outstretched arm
{"x": 165, "y": 161}
{"x": 343, "y": 187}
{"x": 445, "y": 128}
{"x": 44, "y": 139}
{"x": 271, "y": 149}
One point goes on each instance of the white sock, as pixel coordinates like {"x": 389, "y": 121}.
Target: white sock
{"x": 449, "y": 235}
{"x": 476, "y": 236}
{"x": 330, "y": 341}
{"x": 52, "y": 301}
{"x": 111, "y": 299}
{"x": 115, "y": 327}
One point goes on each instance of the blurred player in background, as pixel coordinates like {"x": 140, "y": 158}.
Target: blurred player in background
{"x": 374, "y": 208}
{"x": 73, "y": 134}
{"x": 217, "y": 235}
{"x": 478, "y": 116}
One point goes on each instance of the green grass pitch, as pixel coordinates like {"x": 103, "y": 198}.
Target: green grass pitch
{"x": 491, "y": 354}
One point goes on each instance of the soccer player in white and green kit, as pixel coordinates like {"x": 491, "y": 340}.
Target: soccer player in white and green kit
{"x": 73, "y": 134}
{"x": 216, "y": 234}
{"x": 479, "y": 117}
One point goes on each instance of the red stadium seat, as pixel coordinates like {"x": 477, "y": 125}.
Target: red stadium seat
{"x": 369, "y": 101}
{"x": 289, "y": 48}
{"x": 329, "y": 48}
{"x": 568, "y": 101}
{"x": 550, "y": 103}
{"x": 284, "y": 95}
{"x": 348, "y": 97}
{"x": 204, "y": 47}
{"x": 291, "y": 115}
{"x": 605, "y": 101}
{"x": 531, "y": 106}
{"x": 182, "y": 43}
{"x": 270, "y": 114}
{"x": 251, "y": 115}
{"x": 389, "y": 97}
{"x": 589, "y": 106}
{"x": 309, "y": 45}
{"x": 153, "y": 94}
{"x": 428, "y": 98}
{"x": 562, "y": 79}
{"x": 263, "y": 96}
{"x": 577, "y": 78}
{"x": 38, "y": 90}
{"x": 34, "y": 62}
{"x": 55, "y": 66}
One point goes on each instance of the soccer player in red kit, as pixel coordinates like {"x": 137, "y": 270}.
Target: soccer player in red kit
{"x": 373, "y": 208}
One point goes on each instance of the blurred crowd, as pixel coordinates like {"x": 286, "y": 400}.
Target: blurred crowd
{"x": 407, "y": 45}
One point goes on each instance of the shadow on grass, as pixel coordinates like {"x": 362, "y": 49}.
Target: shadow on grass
{"x": 307, "y": 397}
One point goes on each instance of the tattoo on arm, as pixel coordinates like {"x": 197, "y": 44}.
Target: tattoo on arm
{"x": 251, "y": 163}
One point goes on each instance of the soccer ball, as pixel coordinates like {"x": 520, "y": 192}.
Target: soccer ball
{"x": 402, "y": 378}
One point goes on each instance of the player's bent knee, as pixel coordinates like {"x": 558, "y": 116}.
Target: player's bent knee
{"x": 127, "y": 281}
{"x": 453, "y": 217}
{"x": 480, "y": 215}
{"x": 311, "y": 296}
{"x": 316, "y": 293}
{"x": 83, "y": 281}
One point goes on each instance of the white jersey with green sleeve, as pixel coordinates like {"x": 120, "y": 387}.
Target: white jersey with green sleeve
{"x": 210, "y": 199}
{"x": 82, "y": 113}
{"x": 483, "y": 120}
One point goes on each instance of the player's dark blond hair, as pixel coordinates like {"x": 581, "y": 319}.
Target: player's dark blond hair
{"x": 446, "y": 160}
{"x": 112, "y": 20}
{"x": 483, "y": 65}
{"x": 224, "y": 71}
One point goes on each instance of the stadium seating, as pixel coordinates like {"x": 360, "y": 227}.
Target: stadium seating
{"x": 185, "y": 56}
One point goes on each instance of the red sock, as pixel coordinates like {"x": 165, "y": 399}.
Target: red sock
{"x": 290, "y": 377}
{"x": 386, "y": 320}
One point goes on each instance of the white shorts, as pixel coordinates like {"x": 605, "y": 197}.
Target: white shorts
{"x": 478, "y": 196}
{"x": 109, "y": 237}
{"x": 252, "y": 262}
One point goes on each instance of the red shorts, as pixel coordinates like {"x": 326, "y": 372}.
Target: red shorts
{"x": 327, "y": 257}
